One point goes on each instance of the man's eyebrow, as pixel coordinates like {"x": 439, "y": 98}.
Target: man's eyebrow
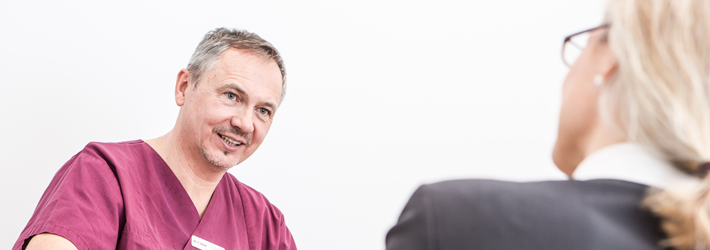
{"x": 235, "y": 88}
{"x": 270, "y": 105}
{"x": 243, "y": 93}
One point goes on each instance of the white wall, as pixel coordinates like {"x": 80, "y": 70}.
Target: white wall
{"x": 383, "y": 96}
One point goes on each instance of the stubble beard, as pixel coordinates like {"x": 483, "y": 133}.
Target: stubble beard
{"x": 212, "y": 159}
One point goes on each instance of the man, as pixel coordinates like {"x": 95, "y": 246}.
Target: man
{"x": 173, "y": 192}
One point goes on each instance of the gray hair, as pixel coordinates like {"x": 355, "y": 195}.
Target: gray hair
{"x": 219, "y": 40}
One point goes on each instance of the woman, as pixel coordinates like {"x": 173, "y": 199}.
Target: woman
{"x": 634, "y": 137}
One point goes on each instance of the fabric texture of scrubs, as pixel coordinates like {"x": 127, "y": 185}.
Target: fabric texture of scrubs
{"x": 124, "y": 196}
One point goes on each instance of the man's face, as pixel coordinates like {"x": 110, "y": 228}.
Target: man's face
{"x": 229, "y": 112}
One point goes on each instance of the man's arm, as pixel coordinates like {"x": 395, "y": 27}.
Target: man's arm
{"x": 50, "y": 241}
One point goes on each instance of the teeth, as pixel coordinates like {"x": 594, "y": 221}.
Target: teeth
{"x": 230, "y": 141}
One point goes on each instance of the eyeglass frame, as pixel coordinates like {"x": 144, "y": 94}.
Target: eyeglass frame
{"x": 569, "y": 38}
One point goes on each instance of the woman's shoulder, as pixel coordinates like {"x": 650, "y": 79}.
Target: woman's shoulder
{"x": 544, "y": 214}
{"x": 487, "y": 187}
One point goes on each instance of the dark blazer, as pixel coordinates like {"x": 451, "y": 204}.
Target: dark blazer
{"x": 487, "y": 214}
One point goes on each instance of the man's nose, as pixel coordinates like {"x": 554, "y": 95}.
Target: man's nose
{"x": 244, "y": 121}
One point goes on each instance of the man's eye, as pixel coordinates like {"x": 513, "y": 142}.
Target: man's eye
{"x": 264, "y": 111}
{"x": 231, "y": 96}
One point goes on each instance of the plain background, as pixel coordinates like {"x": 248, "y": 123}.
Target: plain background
{"x": 383, "y": 96}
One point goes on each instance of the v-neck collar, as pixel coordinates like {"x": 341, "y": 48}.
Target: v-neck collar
{"x": 184, "y": 199}
{"x": 224, "y": 218}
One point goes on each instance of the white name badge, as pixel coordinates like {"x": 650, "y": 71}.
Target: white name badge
{"x": 203, "y": 244}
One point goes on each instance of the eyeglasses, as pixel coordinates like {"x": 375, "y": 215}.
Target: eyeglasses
{"x": 574, "y": 45}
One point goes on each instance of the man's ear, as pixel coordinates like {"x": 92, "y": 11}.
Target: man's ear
{"x": 184, "y": 81}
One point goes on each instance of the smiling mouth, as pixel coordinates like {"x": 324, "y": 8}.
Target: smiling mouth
{"x": 230, "y": 141}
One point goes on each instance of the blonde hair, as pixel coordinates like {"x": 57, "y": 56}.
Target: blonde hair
{"x": 660, "y": 95}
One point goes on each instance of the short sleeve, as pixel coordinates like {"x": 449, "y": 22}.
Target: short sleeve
{"x": 413, "y": 230}
{"x": 83, "y": 204}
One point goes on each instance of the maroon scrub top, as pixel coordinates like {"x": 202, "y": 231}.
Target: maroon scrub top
{"x": 124, "y": 196}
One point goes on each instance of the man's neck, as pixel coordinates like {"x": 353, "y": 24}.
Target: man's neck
{"x": 197, "y": 176}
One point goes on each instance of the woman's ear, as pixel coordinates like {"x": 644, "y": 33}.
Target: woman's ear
{"x": 609, "y": 64}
